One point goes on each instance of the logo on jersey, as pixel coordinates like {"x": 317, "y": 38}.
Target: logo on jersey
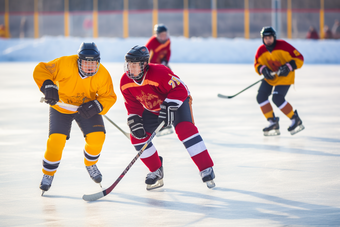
{"x": 297, "y": 53}
{"x": 149, "y": 100}
{"x": 173, "y": 82}
{"x": 51, "y": 68}
{"x": 274, "y": 65}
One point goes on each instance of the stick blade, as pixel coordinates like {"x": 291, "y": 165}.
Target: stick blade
{"x": 224, "y": 96}
{"x": 93, "y": 197}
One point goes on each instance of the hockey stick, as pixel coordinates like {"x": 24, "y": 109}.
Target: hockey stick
{"x": 98, "y": 195}
{"x": 125, "y": 133}
{"x": 232, "y": 96}
{"x": 74, "y": 108}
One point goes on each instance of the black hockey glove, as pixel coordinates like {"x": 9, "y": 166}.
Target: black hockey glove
{"x": 267, "y": 73}
{"x": 89, "y": 109}
{"x": 285, "y": 69}
{"x": 50, "y": 91}
{"x": 135, "y": 123}
{"x": 167, "y": 113}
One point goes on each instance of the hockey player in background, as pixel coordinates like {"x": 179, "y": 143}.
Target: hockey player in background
{"x": 153, "y": 93}
{"x": 82, "y": 81}
{"x": 159, "y": 50}
{"x": 279, "y": 57}
{"x": 159, "y": 46}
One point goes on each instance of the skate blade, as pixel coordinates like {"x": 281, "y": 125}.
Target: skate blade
{"x": 165, "y": 132}
{"x": 42, "y": 192}
{"x": 210, "y": 184}
{"x": 297, "y": 129}
{"x": 158, "y": 184}
{"x": 272, "y": 133}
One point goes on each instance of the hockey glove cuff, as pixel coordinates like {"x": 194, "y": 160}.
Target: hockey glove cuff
{"x": 135, "y": 123}
{"x": 89, "y": 109}
{"x": 50, "y": 91}
{"x": 267, "y": 73}
{"x": 167, "y": 113}
{"x": 285, "y": 69}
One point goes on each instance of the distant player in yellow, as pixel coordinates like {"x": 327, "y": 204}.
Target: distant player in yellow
{"x": 277, "y": 60}
{"x": 79, "y": 80}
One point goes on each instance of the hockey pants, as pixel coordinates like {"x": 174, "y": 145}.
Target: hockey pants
{"x": 278, "y": 98}
{"x": 186, "y": 131}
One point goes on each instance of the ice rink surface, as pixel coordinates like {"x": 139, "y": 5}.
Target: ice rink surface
{"x": 260, "y": 181}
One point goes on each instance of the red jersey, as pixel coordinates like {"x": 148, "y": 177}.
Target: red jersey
{"x": 159, "y": 84}
{"x": 158, "y": 51}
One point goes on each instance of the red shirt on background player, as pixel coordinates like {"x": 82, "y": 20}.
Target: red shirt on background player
{"x": 159, "y": 46}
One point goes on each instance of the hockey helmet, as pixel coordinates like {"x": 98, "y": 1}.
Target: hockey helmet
{"x": 88, "y": 53}
{"x": 162, "y": 33}
{"x": 268, "y": 31}
{"x": 158, "y": 28}
{"x": 137, "y": 54}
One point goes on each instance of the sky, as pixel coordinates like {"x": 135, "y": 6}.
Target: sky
{"x": 193, "y": 50}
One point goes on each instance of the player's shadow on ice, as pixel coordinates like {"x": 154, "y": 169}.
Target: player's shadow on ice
{"x": 61, "y": 196}
{"x": 252, "y": 205}
{"x": 275, "y": 148}
{"x": 322, "y": 139}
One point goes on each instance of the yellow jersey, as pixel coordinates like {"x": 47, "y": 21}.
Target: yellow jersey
{"x": 73, "y": 89}
{"x": 282, "y": 53}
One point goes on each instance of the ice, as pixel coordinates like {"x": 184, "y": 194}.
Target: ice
{"x": 260, "y": 181}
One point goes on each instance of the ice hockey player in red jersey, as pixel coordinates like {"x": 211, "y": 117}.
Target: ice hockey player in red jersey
{"x": 79, "y": 80}
{"x": 159, "y": 50}
{"x": 277, "y": 61}
{"x": 159, "y": 45}
{"x": 153, "y": 93}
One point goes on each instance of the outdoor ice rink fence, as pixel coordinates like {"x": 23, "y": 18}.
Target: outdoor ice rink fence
{"x": 188, "y": 18}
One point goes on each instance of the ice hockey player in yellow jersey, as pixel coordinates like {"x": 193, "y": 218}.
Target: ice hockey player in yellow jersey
{"x": 277, "y": 61}
{"x": 79, "y": 80}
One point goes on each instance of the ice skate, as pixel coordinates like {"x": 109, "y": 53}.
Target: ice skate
{"x": 165, "y": 131}
{"x": 207, "y": 177}
{"x": 296, "y": 125}
{"x": 46, "y": 183}
{"x": 155, "y": 179}
{"x": 94, "y": 173}
{"x": 273, "y": 129}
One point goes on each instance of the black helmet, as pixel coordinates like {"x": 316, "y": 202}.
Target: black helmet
{"x": 268, "y": 31}
{"x": 160, "y": 28}
{"x": 88, "y": 52}
{"x": 137, "y": 54}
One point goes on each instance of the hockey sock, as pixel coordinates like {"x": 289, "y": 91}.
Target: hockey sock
{"x": 287, "y": 109}
{"x": 93, "y": 146}
{"x": 188, "y": 133}
{"x": 55, "y": 146}
{"x": 149, "y": 156}
{"x": 267, "y": 109}
{"x": 152, "y": 162}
